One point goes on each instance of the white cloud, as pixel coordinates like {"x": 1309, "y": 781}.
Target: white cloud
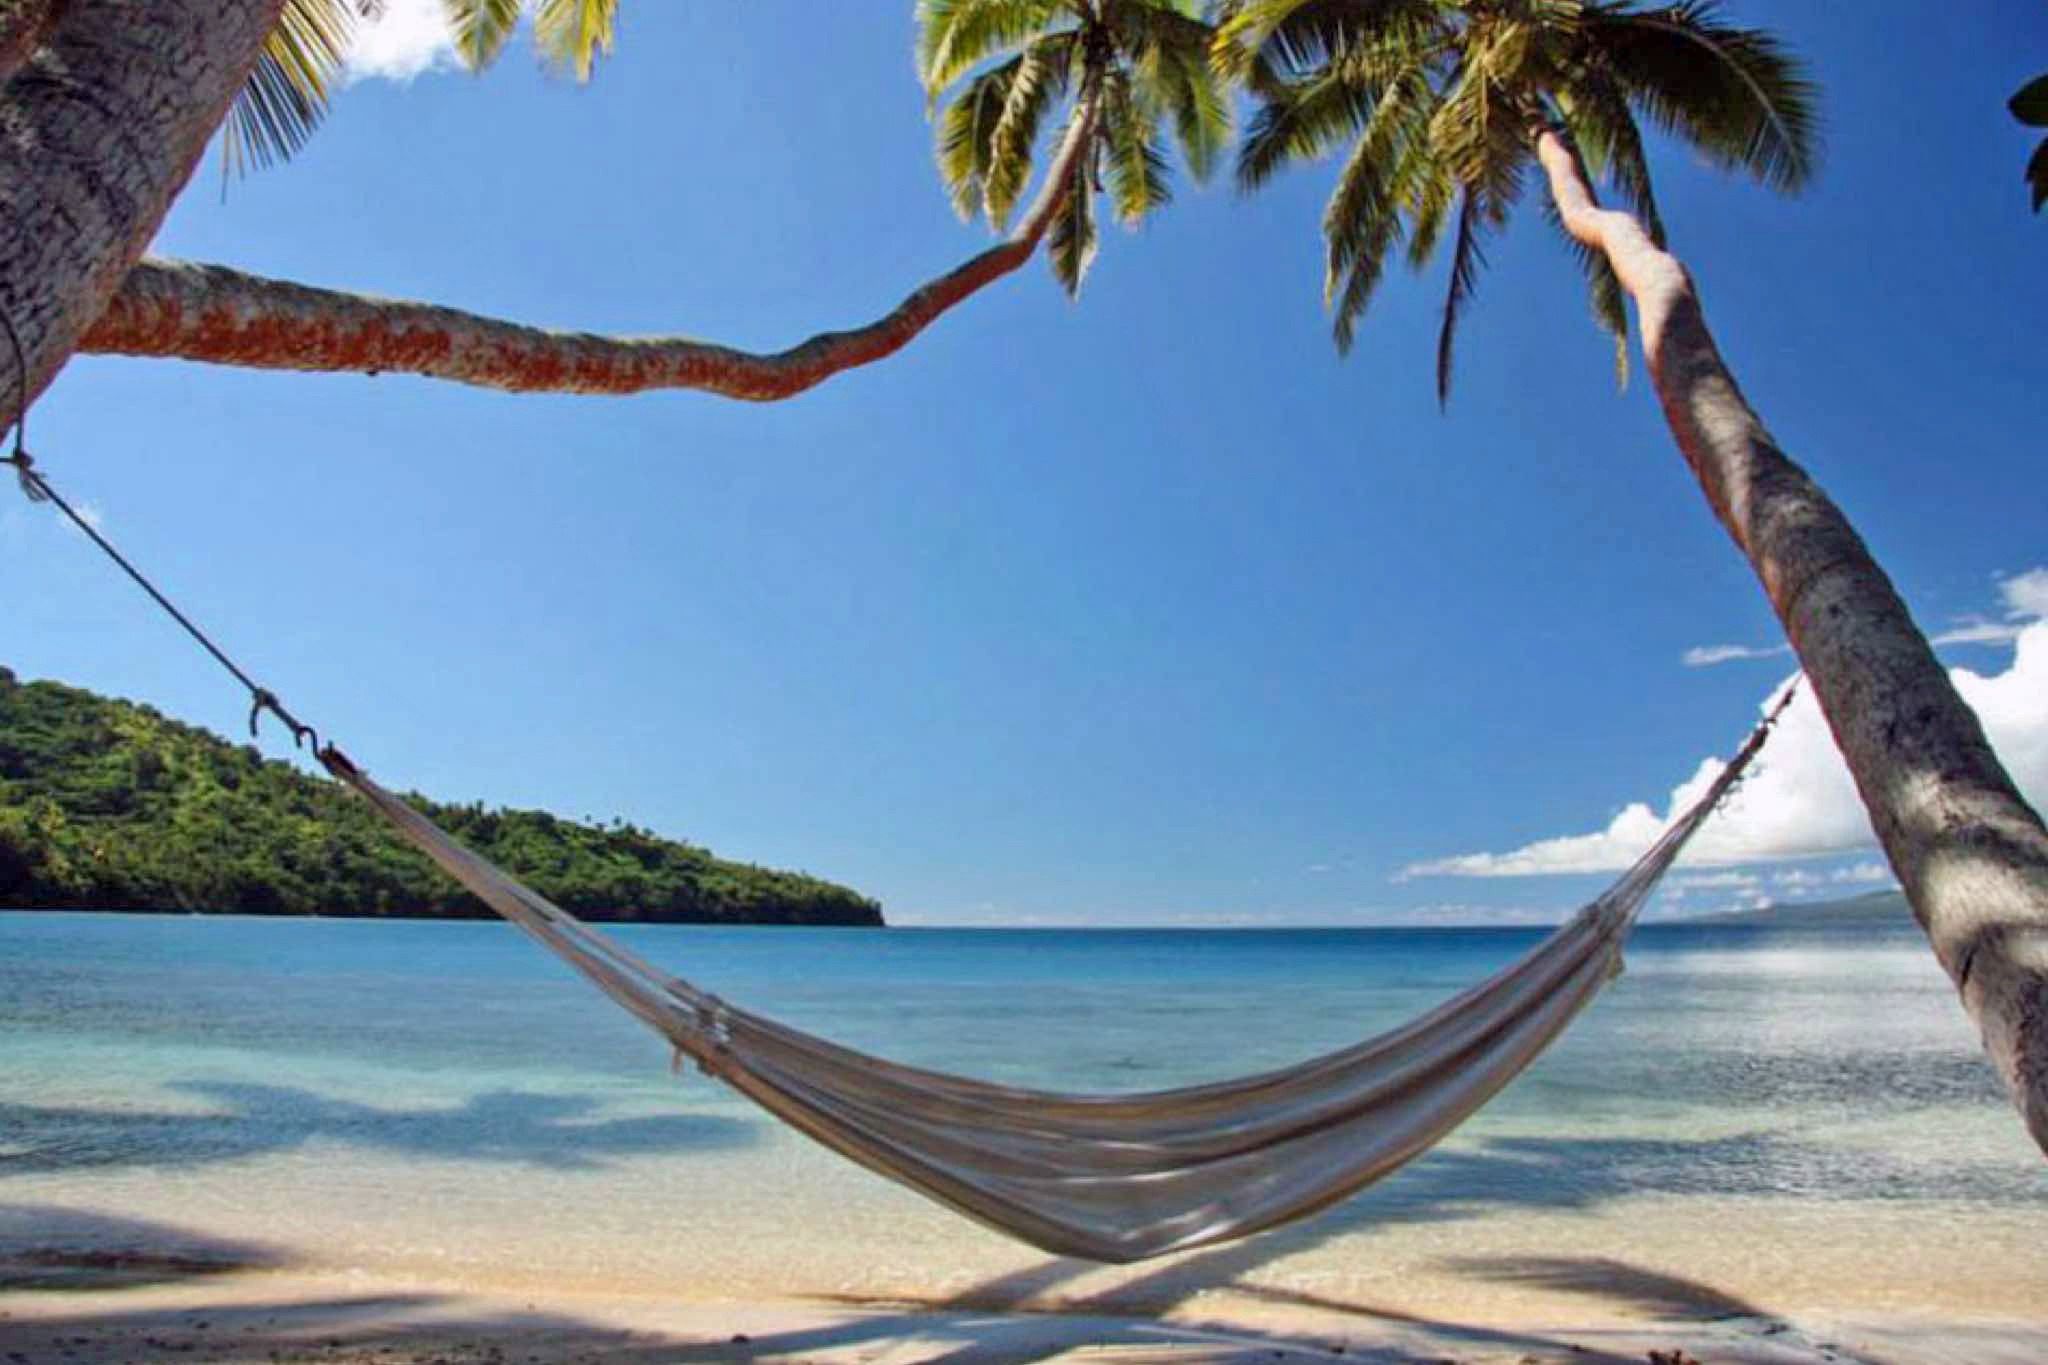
{"x": 1798, "y": 800}
{"x": 1712, "y": 881}
{"x": 409, "y": 38}
{"x": 2026, "y": 595}
{"x": 1978, "y": 633}
{"x": 2026, "y": 599}
{"x": 1705, "y": 656}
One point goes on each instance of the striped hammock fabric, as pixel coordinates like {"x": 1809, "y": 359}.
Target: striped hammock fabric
{"x": 1114, "y": 1177}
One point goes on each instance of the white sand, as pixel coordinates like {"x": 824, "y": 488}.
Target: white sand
{"x": 269, "y": 1318}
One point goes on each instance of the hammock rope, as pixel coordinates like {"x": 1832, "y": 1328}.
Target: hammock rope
{"x": 1109, "y": 1177}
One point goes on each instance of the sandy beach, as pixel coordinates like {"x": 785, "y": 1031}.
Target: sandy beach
{"x": 1776, "y": 1284}
{"x": 376, "y": 1166}
{"x": 91, "y": 1317}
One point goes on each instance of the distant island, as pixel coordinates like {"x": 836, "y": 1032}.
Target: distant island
{"x": 1881, "y": 908}
{"x": 108, "y": 805}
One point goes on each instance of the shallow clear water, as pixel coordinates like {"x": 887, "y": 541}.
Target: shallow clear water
{"x": 442, "y": 1098}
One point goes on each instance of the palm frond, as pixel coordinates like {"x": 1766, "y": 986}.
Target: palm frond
{"x": 482, "y": 28}
{"x": 1168, "y": 56}
{"x": 1296, "y": 37}
{"x": 1137, "y": 171}
{"x": 1734, "y": 93}
{"x": 2030, "y": 106}
{"x": 1202, "y": 121}
{"x": 1361, "y": 223}
{"x": 1299, "y": 122}
{"x": 288, "y": 89}
{"x": 1071, "y": 241}
{"x": 966, "y": 136}
{"x": 1429, "y": 205}
{"x": 1039, "y": 79}
{"x": 1507, "y": 157}
{"x": 1467, "y": 259}
{"x": 572, "y": 34}
{"x": 954, "y": 36}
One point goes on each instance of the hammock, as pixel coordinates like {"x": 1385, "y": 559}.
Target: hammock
{"x": 1114, "y": 1177}
{"x": 1107, "y": 1177}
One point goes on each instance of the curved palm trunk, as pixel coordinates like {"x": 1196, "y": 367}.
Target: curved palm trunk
{"x": 1972, "y": 856}
{"x": 211, "y": 313}
{"x": 100, "y": 127}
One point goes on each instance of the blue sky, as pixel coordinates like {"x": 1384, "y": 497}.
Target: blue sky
{"x": 1146, "y": 609}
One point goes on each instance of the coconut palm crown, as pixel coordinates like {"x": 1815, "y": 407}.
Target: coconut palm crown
{"x": 1439, "y": 101}
{"x": 1129, "y": 66}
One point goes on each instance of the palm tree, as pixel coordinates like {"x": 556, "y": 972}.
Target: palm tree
{"x": 111, "y": 104}
{"x": 1129, "y": 64}
{"x": 1454, "y": 104}
{"x": 1438, "y": 102}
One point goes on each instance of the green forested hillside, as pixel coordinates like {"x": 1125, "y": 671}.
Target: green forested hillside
{"x": 108, "y": 805}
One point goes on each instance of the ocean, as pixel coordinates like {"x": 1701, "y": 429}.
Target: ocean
{"x": 1776, "y": 1118}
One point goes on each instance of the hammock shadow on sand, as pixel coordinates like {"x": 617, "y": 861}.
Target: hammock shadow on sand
{"x": 555, "y": 1131}
{"x": 1491, "y": 1177}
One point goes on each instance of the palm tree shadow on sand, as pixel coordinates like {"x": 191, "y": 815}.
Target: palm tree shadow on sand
{"x": 47, "y": 1248}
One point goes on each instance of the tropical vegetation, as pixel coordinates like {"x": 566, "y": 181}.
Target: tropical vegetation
{"x": 108, "y": 805}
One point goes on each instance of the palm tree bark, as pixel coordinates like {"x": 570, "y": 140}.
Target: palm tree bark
{"x": 211, "y": 313}
{"x": 101, "y": 123}
{"x": 1970, "y": 853}
{"x": 22, "y": 24}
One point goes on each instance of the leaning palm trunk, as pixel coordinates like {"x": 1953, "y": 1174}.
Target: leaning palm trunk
{"x": 214, "y": 314}
{"x": 108, "y": 107}
{"x": 1971, "y": 855}
{"x": 103, "y": 123}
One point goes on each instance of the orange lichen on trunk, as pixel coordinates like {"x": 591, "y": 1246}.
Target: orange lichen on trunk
{"x": 227, "y": 317}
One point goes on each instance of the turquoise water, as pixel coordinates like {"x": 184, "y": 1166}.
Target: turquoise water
{"x": 347, "y": 1091}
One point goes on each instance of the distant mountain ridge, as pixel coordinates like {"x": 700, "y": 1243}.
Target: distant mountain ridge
{"x": 1872, "y": 907}
{"x": 108, "y": 805}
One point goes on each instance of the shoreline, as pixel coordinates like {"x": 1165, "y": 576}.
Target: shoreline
{"x": 295, "y": 1139}
{"x": 479, "y": 914}
{"x": 283, "y": 1317}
